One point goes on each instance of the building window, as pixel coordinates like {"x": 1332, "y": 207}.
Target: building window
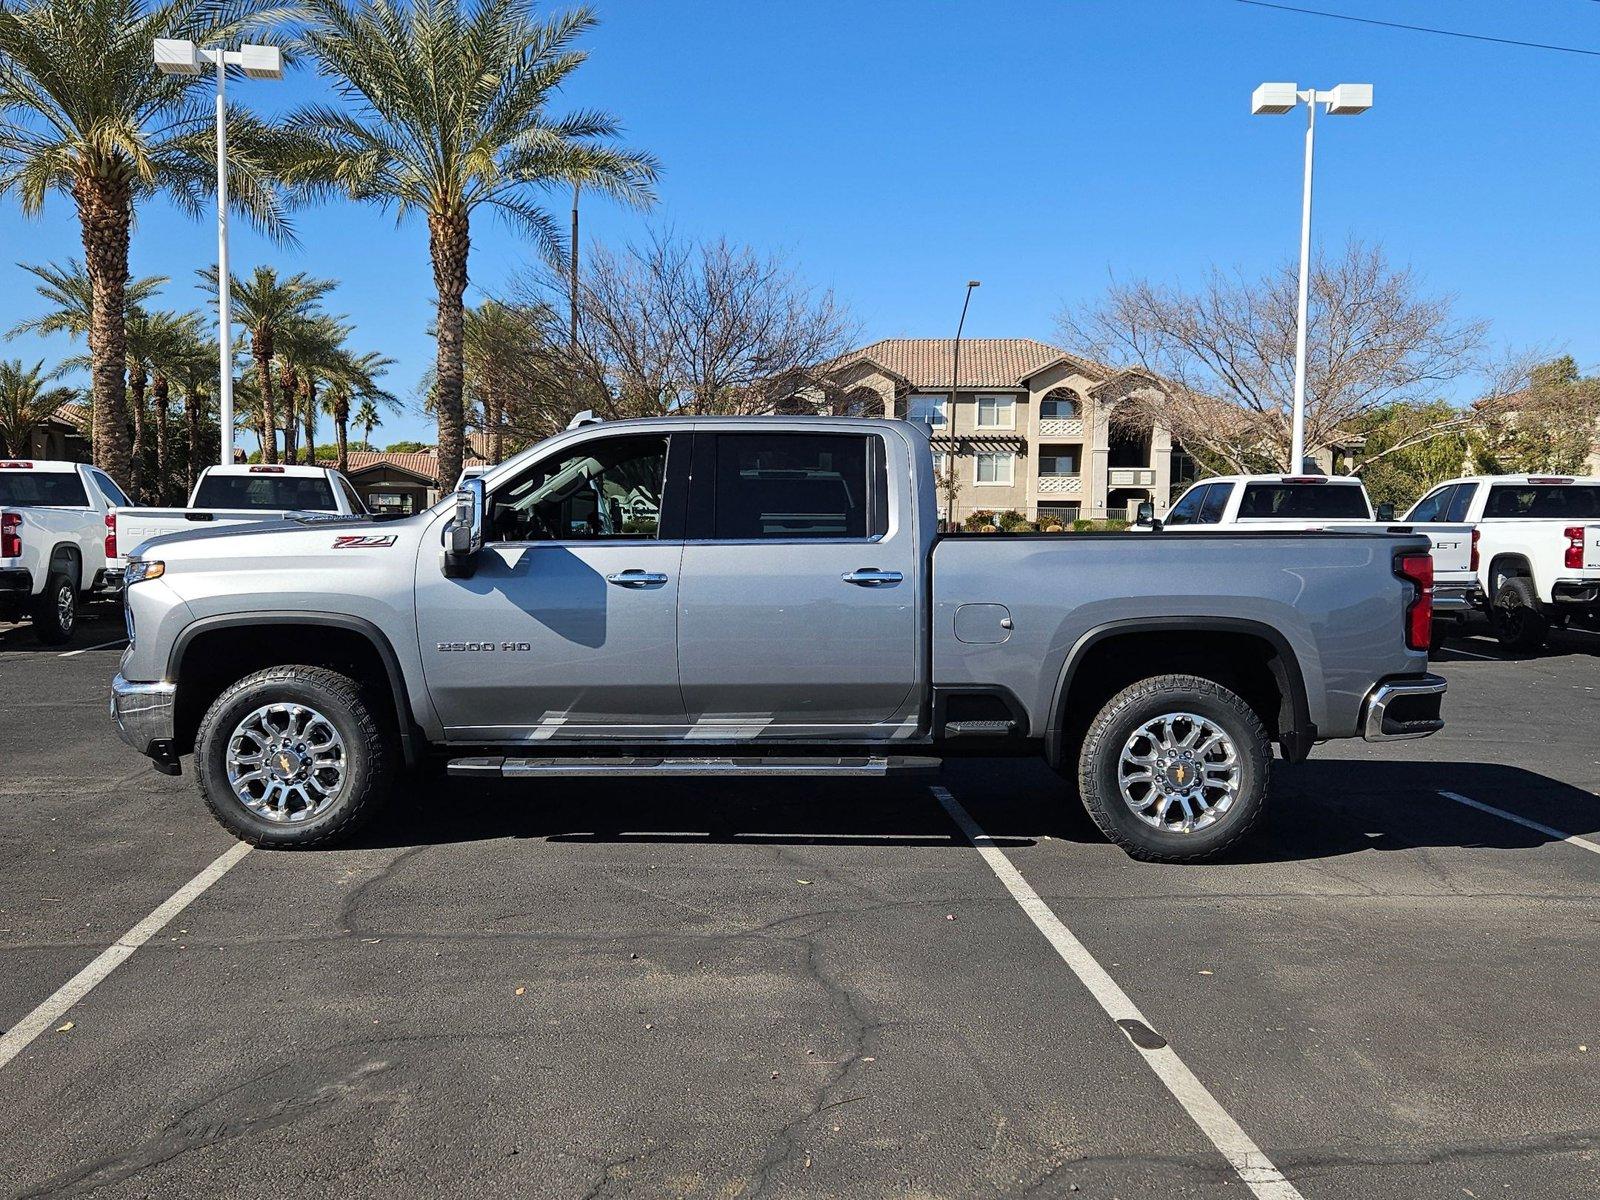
{"x": 1059, "y": 461}
{"x": 996, "y": 412}
{"x": 930, "y": 410}
{"x": 1060, "y": 404}
{"x": 939, "y": 461}
{"x": 995, "y": 467}
{"x": 862, "y": 402}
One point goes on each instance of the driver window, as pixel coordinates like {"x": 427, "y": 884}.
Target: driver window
{"x": 606, "y": 488}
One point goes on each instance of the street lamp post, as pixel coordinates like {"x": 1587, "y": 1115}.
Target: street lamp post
{"x": 955, "y": 379}
{"x": 178, "y": 57}
{"x": 1274, "y": 99}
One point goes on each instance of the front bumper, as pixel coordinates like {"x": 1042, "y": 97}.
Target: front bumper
{"x": 1403, "y": 708}
{"x": 143, "y": 713}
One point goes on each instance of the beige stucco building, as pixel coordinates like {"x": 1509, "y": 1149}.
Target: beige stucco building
{"x": 1030, "y": 429}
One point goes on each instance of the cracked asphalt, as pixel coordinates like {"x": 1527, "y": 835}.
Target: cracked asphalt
{"x": 719, "y": 990}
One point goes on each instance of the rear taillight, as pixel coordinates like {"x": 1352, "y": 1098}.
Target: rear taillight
{"x": 1574, "y": 536}
{"x": 10, "y": 535}
{"x": 1475, "y": 560}
{"x": 111, "y": 535}
{"x": 1417, "y": 570}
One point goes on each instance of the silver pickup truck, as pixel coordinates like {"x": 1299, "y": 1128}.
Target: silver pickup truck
{"x": 758, "y": 597}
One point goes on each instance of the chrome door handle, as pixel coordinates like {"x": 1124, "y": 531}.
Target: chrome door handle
{"x": 637, "y": 579}
{"x": 872, "y": 577}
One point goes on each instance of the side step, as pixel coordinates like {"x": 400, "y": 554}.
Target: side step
{"x": 955, "y": 729}
{"x": 575, "y": 768}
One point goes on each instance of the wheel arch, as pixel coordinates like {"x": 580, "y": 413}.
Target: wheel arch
{"x": 229, "y": 647}
{"x": 1517, "y": 563}
{"x": 1284, "y": 707}
{"x": 67, "y": 556}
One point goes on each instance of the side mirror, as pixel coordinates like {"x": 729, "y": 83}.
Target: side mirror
{"x": 1145, "y": 514}
{"x": 1386, "y": 511}
{"x": 463, "y": 535}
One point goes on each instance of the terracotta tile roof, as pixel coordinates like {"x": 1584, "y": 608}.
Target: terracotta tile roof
{"x": 418, "y": 462}
{"x": 924, "y": 363}
{"x": 74, "y": 413}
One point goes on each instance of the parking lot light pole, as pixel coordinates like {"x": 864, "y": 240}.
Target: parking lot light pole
{"x": 1274, "y": 99}
{"x": 177, "y": 57}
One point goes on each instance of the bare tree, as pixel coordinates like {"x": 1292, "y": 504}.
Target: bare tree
{"x": 1221, "y": 358}
{"x": 681, "y": 327}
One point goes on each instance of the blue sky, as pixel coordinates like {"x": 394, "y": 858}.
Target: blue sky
{"x": 895, "y": 149}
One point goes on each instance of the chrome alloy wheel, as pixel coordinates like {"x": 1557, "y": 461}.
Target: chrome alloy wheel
{"x": 1179, "y": 773}
{"x": 286, "y": 763}
{"x": 66, "y": 605}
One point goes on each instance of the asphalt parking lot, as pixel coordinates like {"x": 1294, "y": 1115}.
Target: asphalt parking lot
{"x": 786, "y": 990}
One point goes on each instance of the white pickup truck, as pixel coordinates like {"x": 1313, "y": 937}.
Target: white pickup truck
{"x": 1332, "y": 503}
{"x": 55, "y": 542}
{"x": 1536, "y": 548}
{"x": 238, "y": 494}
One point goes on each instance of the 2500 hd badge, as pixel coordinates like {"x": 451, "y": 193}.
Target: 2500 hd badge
{"x": 447, "y": 647}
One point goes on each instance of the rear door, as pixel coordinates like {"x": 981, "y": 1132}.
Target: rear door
{"x": 797, "y": 611}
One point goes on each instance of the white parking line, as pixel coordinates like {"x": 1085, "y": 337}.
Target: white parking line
{"x": 1475, "y": 654}
{"x": 16, "y": 1039}
{"x": 1231, "y": 1141}
{"x": 1570, "y": 838}
{"x": 86, "y": 649}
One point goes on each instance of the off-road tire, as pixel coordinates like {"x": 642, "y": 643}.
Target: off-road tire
{"x": 1098, "y": 766}
{"x": 1520, "y": 621}
{"x": 369, "y": 739}
{"x": 48, "y": 625}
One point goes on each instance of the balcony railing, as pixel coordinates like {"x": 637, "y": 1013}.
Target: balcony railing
{"x": 1056, "y": 485}
{"x": 1131, "y": 477}
{"x": 1060, "y": 427}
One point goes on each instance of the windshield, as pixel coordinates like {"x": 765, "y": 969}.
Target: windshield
{"x": 1555, "y": 501}
{"x": 1303, "y": 502}
{"x": 48, "y": 489}
{"x": 277, "y": 493}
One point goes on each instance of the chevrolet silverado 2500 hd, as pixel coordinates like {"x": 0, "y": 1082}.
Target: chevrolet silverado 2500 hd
{"x": 759, "y": 596}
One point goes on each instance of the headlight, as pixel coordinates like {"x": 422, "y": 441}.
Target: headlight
{"x": 140, "y": 569}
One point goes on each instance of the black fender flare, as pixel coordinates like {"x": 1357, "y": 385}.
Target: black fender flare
{"x": 70, "y": 558}
{"x": 1512, "y": 559}
{"x": 404, "y": 720}
{"x": 1297, "y": 735}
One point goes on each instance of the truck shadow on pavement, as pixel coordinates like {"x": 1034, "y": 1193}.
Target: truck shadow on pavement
{"x": 1320, "y": 809}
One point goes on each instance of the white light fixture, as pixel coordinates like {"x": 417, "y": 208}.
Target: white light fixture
{"x": 1275, "y": 99}
{"x": 176, "y": 57}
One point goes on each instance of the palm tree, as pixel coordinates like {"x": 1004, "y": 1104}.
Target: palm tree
{"x": 312, "y": 349}
{"x": 70, "y": 294}
{"x": 86, "y": 115}
{"x": 197, "y": 368}
{"x": 170, "y": 339}
{"x": 446, "y": 111}
{"x": 368, "y": 419}
{"x": 502, "y": 346}
{"x": 357, "y": 378}
{"x": 263, "y": 305}
{"x": 25, "y": 404}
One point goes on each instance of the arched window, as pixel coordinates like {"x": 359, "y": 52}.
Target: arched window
{"x": 1059, "y": 404}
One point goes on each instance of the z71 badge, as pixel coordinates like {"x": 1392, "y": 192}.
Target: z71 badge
{"x": 369, "y": 541}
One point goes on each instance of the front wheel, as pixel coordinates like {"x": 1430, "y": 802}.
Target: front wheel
{"x": 294, "y": 756}
{"x": 1175, "y": 768}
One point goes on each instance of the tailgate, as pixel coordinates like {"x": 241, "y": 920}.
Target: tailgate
{"x": 1591, "y": 548}
{"x": 1452, "y": 548}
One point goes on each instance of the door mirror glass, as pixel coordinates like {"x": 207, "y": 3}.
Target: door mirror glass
{"x": 1385, "y": 511}
{"x": 463, "y": 536}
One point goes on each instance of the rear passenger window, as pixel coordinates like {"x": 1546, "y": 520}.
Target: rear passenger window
{"x": 1214, "y": 505}
{"x": 793, "y": 486}
{"x": 1433, "y": 506}
{"x": 1461, "y": 502}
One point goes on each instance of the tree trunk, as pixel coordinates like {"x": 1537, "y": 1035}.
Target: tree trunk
{"x": 161, "y": 392}
{"x": 261, "y": 347}
{"x": 191, "y": 421}
{"x": 449, "y": 241}
{"x": 341, "y": 423}
{"x": 289, "y": 381}
{"x": 136, "y": 382}
{"x": 105, "y": 214}
{"x": 308, "y": 409}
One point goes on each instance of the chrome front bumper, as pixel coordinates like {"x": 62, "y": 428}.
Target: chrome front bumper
{"x": 1403, "y": 708}
{"x": 144, "y": 713}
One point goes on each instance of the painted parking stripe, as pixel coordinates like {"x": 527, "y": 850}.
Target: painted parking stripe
{"x": 86, "y": 649}
{"x": 1571, "y": 839}
{"x": 16, "y": 1039}
{"x": 1232, "y": 1142}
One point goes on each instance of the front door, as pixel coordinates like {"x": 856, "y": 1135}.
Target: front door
{"x": 798, "y": 606}
{"x": 568, "y": 627}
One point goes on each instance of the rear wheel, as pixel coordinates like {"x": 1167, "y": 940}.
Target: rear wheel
{"x": 55, "y": 610}
{"x": 1519, "y": 620}
{"x": 1175, "y": 768}
{"x": 294, "y": 756}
